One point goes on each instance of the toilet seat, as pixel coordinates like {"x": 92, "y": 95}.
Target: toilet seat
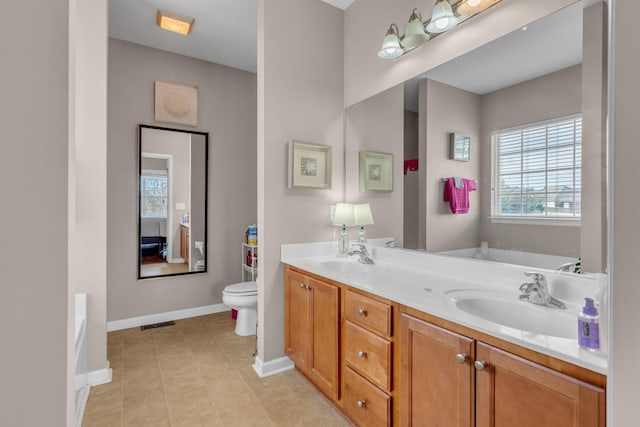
{"x": 242, "y": 289}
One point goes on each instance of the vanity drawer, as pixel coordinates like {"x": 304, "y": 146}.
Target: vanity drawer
{"x": 364, "y": 403}
{"x": 367, "y": 312}
{"x": 368, "y": 354}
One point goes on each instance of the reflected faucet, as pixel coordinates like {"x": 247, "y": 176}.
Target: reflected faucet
{"x": 362, "y": 253}
{"x": 390, "y": 244}
{"x": 536, "y": 292}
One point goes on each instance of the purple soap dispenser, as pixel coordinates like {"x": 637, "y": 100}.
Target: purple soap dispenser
{"x": 588, "y": 326}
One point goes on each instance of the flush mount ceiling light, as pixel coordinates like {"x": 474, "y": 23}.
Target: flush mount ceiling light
{"x": 444, "y": 17}
{"x": 172, "y": 21}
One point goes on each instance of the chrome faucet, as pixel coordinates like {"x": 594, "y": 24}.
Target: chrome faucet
{"x": 536, "y": 292}
{"x": 390, "y": 244}
{"x": 362, "y": 253}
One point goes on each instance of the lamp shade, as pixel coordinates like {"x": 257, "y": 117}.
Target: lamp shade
{"x": 414, "y": 34}
{"x": 471, "y": 7}
{"x": 442, "y": 18}
{"x": 391, "y": 47}
{"x": 344, "y": 214}
{"x": 362, "y": 214}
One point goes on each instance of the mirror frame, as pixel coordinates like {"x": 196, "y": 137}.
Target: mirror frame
{"x": 139, "y": 195}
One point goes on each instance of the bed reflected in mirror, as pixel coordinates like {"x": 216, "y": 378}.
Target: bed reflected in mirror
{"x": 172, "y": 201}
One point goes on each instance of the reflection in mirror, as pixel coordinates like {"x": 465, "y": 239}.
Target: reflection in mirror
{"x": 172, "y": 201}
{"x": 542, "y": 73}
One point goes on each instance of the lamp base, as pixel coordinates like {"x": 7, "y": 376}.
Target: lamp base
{"x": 343, "y": 243}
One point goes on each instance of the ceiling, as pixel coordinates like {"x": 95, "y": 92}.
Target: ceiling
{"x": 549, "y": 44}
{"x": 225, "y": 32}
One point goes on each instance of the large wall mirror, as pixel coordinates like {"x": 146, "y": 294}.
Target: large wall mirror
{"x": 172, "y": 201}
{"x": 552, "y": 69}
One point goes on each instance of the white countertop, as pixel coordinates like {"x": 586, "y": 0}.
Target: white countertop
{"x": 426, "y": 282}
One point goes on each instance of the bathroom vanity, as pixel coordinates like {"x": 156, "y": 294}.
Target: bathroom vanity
{"x": 388, "y": 345}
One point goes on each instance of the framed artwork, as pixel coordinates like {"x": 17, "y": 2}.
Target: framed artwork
{"x": 176, "y": 103}
{"x": 309, "y": 165}
{"x": 376, "y": 171}
{"x": 459, "y": 145}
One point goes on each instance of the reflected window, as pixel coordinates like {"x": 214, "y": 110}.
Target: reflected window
{"x": 536, "y": 170}
{"x": 154, "y": 194}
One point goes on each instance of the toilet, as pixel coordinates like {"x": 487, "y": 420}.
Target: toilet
{"x": 199, "y": 265}
{"x": 243, "y": 297}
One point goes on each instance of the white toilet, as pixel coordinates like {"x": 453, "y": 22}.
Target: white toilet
{"x": 243, "y": 297}
{"x": 199, "y": 266}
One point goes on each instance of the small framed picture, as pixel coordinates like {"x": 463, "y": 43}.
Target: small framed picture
{"x": 309, "y": 165}
{"x": 376, "y": 171}
{"x": 459, "y": 145}
{"x": 176, "y": 103}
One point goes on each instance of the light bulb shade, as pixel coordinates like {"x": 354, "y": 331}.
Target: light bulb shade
{"x": 391, "y": 47}
{"x": 362, "y": 214}
{"x": 471, "y": 7}
{"x": 343, "y": 214}
{"x": 442, "y": 18}
{"x": 172, "y": 21}
{"x": 414, "y": 34}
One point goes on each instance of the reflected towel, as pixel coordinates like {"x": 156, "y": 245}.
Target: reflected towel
{"x": 458, "y": 198}
{"x": 458, "y": 181}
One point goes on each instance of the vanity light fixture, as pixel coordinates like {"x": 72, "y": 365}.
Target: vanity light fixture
{"x": 442, "y": 18}
{"x": 343, "y": 217}
{"x": 445, "y": 16}
{"x": 172, "y": 21}
{"x": 363, "y": 216}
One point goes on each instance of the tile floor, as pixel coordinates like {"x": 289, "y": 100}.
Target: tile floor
{"x": 198, "y": 373}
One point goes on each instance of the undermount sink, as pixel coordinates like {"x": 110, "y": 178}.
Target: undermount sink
{"x": 345, "y": 265}
{"x": 513, "y": 313}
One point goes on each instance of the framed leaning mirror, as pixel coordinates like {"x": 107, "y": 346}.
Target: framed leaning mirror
{"x": 172, "y": 201}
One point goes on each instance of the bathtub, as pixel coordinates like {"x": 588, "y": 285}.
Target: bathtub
{"x": 530, "y": 259}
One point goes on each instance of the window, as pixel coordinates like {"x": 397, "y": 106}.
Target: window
{"x": 536, "y": 170}
{"x": 154, "y": 194}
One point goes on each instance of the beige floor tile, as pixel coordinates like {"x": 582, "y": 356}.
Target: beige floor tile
{"x": 293, "y": 415}
{"x": 110, "y": 420}
{"x": 99, "y": 407}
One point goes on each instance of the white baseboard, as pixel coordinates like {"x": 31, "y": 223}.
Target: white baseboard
{"x": 133, "y": 322}
{"x": 81, "y": 404}
{"x": 101, "y": 376}
{"x": 275, "y": 366}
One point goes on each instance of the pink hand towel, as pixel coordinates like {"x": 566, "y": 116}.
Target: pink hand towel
{"x": 458, "y": 198}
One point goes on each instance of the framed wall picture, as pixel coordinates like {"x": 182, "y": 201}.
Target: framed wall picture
{"x": 459, "y": 146}
{"x": 309, "y": 165}
{"x": 376, "y": 171}
{"x": 176, "y": 103}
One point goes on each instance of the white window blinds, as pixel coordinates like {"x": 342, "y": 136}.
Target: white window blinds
{"x": 154, "y": 193}
{"x": 536, "y": 170}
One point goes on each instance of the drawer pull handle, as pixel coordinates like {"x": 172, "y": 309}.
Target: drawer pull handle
{"x": 461, "y": 357}
{"x": 480, "y": 365}
{"x": 362, "y": 404}
{"x": 362, "y": 312}
{"x": 362, "y": 354}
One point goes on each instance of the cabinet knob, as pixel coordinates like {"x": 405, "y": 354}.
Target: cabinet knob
{"x": 461, "y": 358}
{"x": 302, "y": 285}
{"x": 362, "y": 404}
{"x": 362, "y": 312}
{"x": 480, "y": 365}
{"x": 362, "y": 354}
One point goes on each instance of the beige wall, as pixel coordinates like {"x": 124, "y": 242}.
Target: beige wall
{"x": 366, "y": 22}
{"x": 448, "y": 109}
{"x": 377, "y": 124}
{"x": 227, "y": 100}
{"x": 554, "y": 95}
{"x": 625, "y": 293}
{"x": 33, "y": 173}
{"x": 300, "y": 96}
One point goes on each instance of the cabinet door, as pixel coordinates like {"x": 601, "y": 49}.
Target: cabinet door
{"x": 436, "y": 389}
{"x": 325, "y": 363}
{"x": 297, "y": 319}
{"x": 512, "y": 391}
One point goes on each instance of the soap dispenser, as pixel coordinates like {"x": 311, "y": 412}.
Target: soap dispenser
{"x": 588, "y": 326}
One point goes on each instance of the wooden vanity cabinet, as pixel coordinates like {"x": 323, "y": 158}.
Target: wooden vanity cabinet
{"x": 184, "y": 243}
{"x": 444, "y": 383}
{"x": 312, "y": 330}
